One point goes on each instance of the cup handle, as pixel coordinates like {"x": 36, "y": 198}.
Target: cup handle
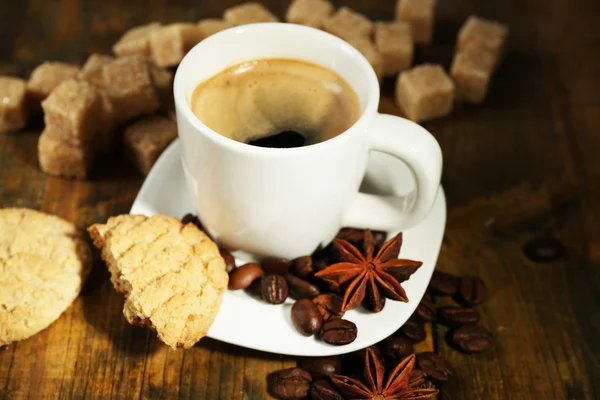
{"x": 418, "y": 149}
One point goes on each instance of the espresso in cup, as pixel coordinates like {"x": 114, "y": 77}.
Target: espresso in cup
{"x": 276, "y": 103}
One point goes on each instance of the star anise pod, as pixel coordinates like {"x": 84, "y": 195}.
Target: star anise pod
{"x": 399, "y": 385}
{"x": 376, "y": 275}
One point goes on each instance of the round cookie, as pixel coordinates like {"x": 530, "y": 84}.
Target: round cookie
{"x": 44, "y": 261}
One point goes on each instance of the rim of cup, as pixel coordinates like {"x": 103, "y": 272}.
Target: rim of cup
{"x": 367, "y": 112}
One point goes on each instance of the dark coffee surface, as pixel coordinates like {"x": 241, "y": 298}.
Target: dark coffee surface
{"x": 285, "y": 139}
{"x": 276, "y": 103}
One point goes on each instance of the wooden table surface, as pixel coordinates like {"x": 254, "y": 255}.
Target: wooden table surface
{"x": 525, "y": 163}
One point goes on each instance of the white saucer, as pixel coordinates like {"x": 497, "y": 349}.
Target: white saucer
{"x": 248, "y": 322}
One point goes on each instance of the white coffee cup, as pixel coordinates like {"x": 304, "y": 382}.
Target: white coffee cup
{"x": 286, "y": 202}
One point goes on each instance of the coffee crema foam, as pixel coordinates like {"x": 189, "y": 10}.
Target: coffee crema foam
{"x": 262, "y": 98}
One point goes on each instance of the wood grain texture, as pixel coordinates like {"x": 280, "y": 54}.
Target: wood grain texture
{"x": 523, "y": 164}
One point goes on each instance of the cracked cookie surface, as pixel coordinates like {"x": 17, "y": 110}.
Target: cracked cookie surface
{"x": 172, "y": 274}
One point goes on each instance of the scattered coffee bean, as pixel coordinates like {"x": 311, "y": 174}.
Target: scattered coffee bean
{"x": 273, "y": 288}
{"x": 303, "y": 267}
{"x": 425, "y": 310}
{"x": 323, "y": 390}
{"x": 254, "y": 288}
{"x": 291, "y": 384}
{"x": 414, "y": 330}
{"x": 301, "y": 288}
{"x": 397, "y": 347}
{"x": 306, "y": 317}
{"x": 330, "y": 306}
{"x": 191, "y": 218}
{"x": 320, "y": 264}
{"x": 472, "y": 338}
{"x": 229, "y": 260}
{"x": 443, "y": 284}
{"x": 458, "y": 316}
{"x": 242, "y": 277}
{"x": 544, "y": 249}
{"x": 339, "y": 332}
{"x": 320, "y": 367}
{"x": 276, "y": 265}
{"x": 471, "y": 290}
{"x": 417, "y": 374}
{"x": 435, "y": 366}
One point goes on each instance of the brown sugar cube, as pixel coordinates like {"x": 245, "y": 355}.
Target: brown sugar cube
{"x": 92, "y": 69}
{"x": 309, "y": 12}
{"x": 210, "y": 26}
{"x": 136, "y": 40}
{"x": 170, "y": 43}
{"x": 146, "y": 139}
{"x": 394, "y": 42}
{"x": 128, "y": 84}
{"x": 420, "y": 14}
{"x": 59, "y": 158}
{"x": 472, "y": 70}
{"x": 367, "y": 49}
{"x": 46, "y": 77}
{"x": 13, "y": 107}
{"x": 74, "y": 111}
{"x": 424, "y": 92}
{"x": 483, "y": 33}
{"x": 248, "y": 13}
{"x": 348, "y": 24}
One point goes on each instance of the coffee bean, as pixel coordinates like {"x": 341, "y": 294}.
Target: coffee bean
{"x": 242, "y": 277}
{"x": 425, "y": 310}
{"x": 471, "y": 290}
{"x": 397, "y": 347}
{"x": 323, "y": 390}
{"x": 414, "y": 330}
{"x": 435, "y": 366}
{"x": 273, "y": 288}
{"x": 339, "y": 332}
{"x": 276, "y": 265}
{"x": 193, "y": 219}
{"x": 306, "y": 317}
{"x": 303, "y": 267}
{"x": 416, "y": 375}
{"x": 291, "y": 384}
{"x": 458, "y": 316}
{"x": 320, "y": 367}
{"x": 443, "y": 284}
{"x": 320, "y": 264}
{"x": 472, "y": 338}
{"x": 330, "y": 306}
{"x": 544, "y": 249}
{"x": 254, "y": 288}
{"x": 229, "y": 260}
{"x": 301, "y": 288}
